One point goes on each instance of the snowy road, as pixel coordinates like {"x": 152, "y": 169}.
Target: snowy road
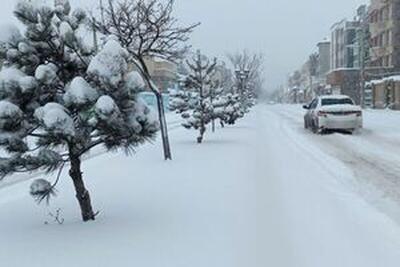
{"x": 371, "y": 154}
{"x": 317, "y": 181}
{"x": 260, "y": 194}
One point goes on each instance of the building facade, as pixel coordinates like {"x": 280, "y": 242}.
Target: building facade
{"x": 163, "y": 72}
{"x": 324, "y": 60}
{"x": 343, "y": 40}
{"x": 344, "y": 76}
{"x": 384, "y": 26}
{"x": 362, "y": 46}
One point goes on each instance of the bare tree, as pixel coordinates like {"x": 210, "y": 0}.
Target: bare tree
{"x": 249, "y": 70}
{"x": 253, "y": 63}
{"x": 148, "y": 30}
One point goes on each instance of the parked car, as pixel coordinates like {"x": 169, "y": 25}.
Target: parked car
{"x": 333, "y": 113}
{"x": 150, "y": 99}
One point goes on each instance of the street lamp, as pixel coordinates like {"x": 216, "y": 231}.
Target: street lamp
{"x": 242, "y": 76}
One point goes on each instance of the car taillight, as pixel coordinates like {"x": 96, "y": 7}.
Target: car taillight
{"x": 322, "y": 114}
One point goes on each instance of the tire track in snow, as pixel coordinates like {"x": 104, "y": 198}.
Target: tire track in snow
{"x": 375, "y": 166}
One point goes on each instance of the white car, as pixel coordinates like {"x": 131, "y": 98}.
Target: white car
{"x": 333, "y": 112}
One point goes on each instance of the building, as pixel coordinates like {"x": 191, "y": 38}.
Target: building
{"x": 344, "y": 76}
{"x": 323, "y": 68}
{"x": 346, "y": 82}
{"x": 324, "y": 59}
{"x": 384, "y": 27}
{"x": 386, "y": 92}
{"x": 163, "y": 73}
{"x": 343, "y": 40}
{"x": 361, "y": 44}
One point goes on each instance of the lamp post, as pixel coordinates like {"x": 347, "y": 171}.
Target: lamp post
{"x": 242, "y": 75}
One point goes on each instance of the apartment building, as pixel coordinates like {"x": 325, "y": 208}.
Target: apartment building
{"x": 343, "y": 40}
{"x": 324, "y": 60}
{"x": 361, "y": 51}
{"x": 384, "y": 27}
{"x": 344, "y": 76}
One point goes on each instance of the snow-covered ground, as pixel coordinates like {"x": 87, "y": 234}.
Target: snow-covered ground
{"x": 262, "y": 193}
{"x": 371, "y": 154}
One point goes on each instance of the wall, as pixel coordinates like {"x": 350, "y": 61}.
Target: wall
{"x": 347, "y": 81}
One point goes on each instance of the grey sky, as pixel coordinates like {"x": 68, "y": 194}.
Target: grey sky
{"x": 285, "y": 30}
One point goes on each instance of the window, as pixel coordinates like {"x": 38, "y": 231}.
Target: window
{"x": 314, "y": 104}
{"x": 337, "y": 101}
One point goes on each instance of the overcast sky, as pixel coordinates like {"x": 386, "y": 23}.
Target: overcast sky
{"x": 285, "y": 30}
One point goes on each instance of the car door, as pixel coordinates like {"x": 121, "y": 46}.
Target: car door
{"x": 313, "y": 111}
{"x": 310, "y": 111}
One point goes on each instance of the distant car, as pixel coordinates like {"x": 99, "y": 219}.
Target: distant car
{"x": 333, "y": 113}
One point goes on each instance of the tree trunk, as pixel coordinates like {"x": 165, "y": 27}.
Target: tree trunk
{"x": 213, "y": 125}
{"x": 82, "y": 194}
{"x": 222, "y": 124}
{"x": 160, "y": 106}
{"x": 163, "y": 126}
{"x": 201, "y": 136}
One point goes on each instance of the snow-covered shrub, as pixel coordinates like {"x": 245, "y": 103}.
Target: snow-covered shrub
{"x": 232, "y": 109}
{"x": 59, "y": 99}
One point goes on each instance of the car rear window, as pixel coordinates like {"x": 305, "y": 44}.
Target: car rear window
{"x": 336, "y": 101}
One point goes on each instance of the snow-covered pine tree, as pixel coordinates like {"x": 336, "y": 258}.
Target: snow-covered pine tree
{"x": 59, "y": 100}
{"x": 217, "y": 101}
{"x": 232, "y": 108}
{"x": 200, "y": 83}
{"x": 179, "y": 101}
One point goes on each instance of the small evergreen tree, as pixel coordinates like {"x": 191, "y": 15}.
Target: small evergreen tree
{"x": 206, "y": 82}
{"x": 199, "y": 84}
{"x": 217, "y": 101}
{"x": 179, "y": 101}
{"x": 232, "y": 108}
{"x": 59, "y": 100}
